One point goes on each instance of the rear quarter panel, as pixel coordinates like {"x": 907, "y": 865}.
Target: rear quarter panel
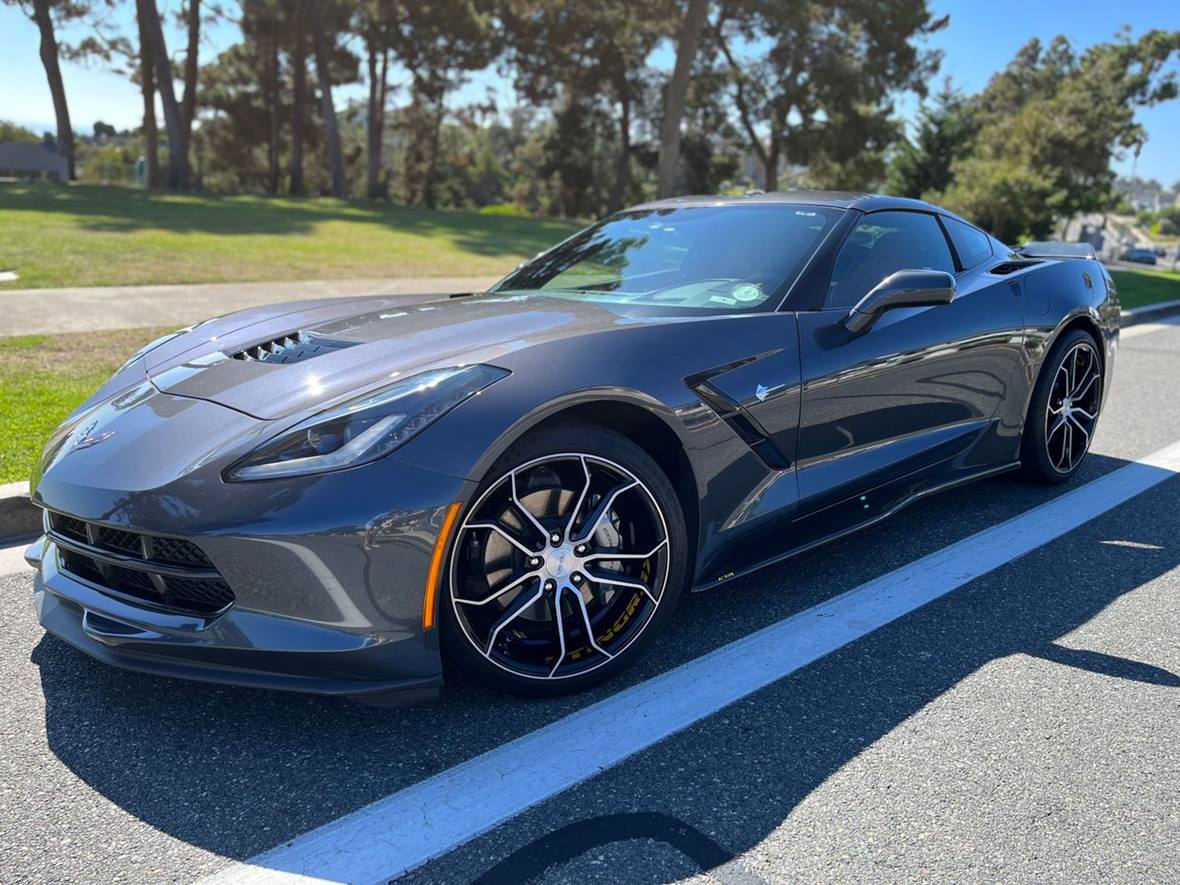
{"x": 1058, "y": 294}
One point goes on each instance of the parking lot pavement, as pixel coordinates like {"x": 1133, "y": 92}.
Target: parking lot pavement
{"x": 1021, "y": 726}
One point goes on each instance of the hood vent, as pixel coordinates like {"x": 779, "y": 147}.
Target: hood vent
{"x": 294, "y": 347}
{"x": 1008, "y": 267}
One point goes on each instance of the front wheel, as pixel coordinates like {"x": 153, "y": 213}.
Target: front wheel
{"x": 566, "y": 565}
{"x": 1063, "y": 413}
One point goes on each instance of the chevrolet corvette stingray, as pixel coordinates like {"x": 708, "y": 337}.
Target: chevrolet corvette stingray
{"x": 337, "y": 496}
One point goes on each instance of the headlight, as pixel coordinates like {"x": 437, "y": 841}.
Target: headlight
{"x": 367, "y": 428}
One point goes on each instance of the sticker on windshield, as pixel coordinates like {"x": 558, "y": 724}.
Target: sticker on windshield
{"x": 747, "y": 292}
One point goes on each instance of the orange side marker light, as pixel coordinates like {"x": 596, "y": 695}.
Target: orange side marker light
{"x": 433, "y": 574}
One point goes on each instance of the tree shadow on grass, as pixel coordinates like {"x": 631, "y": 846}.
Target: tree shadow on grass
{"x": 127, "y": 210}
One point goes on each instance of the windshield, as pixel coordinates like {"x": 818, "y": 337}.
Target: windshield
{"x": 723, "y": 258}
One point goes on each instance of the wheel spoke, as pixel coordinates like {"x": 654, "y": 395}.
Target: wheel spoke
{"x": 520, "y": 506}
{"x": 503, "y": 533}
{"x": 1078, "y": 425}
{"x": 589, "y": 627}
{"x": 509, "y": 586}
{"x": 569, "y": 525}
{"x": 560, "y": 630}
{"x": 623, "y": 582}
{"x": 1062, "y": 426}
{"x": 603, "y": 510}
{"x": 1057, "y": 426}
{"x": 511, "y": 613}
{"x": 1062, "y": 370}
{"x": 1088, "y": 381}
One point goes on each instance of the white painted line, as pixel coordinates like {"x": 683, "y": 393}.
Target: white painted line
{"x": 428, "y": 819}
{"x": 12, "y": 560}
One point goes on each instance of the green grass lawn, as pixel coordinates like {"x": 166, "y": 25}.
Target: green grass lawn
{"x": 1138, "y": 288}
{"x": 91, "y": 236}
{"x": 44, "y": 378}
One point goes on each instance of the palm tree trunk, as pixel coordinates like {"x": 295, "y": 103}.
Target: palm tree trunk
{"x": 299, "y": 97}
{"x": 623, "y": 170}
{"x": 272, "y": 110}
{"x": 376, "y": 120}
{"x": 428, "y": 194}
{"x": 686, "y": 51}
{"x": 331, "y": 130}
{"x": 746, "y": 117}
{"x": 57, "y": 88}
{"x": 147, "y": 89}
{"x": 189, "y": 102}
{"x": 772, "y": 157}
{"x": 173, "y": 123}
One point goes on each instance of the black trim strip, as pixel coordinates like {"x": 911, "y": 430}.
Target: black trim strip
{"x": 133, "y": 562}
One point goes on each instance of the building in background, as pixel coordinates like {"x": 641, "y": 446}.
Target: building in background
{"x": 21, "y": 159}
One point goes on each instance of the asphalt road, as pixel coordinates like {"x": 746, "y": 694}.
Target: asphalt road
{"x": 1024, "y": 726}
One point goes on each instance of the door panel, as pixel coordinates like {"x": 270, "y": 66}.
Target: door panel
{"x": 919, "y": 387}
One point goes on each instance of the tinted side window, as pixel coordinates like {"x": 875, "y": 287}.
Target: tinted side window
{"x": 972, "y": 245}
{"x": 885, "y": 242}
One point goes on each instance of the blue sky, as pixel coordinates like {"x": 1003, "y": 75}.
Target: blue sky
{"x": 980, "y": 39}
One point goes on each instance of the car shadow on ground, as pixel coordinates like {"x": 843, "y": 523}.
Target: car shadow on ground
{"x": 236, "y": 771}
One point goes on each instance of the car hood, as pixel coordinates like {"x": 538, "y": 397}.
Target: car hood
{"x": 275, "y": 362}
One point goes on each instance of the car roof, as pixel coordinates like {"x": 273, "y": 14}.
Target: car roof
{"x": 839, "y": 199}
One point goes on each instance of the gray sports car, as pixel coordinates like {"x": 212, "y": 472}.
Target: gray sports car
{"x": 334, "y": 496}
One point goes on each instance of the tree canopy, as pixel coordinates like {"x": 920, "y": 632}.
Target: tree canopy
{"x": 762, "y": 93}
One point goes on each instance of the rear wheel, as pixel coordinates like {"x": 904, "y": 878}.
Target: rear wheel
{"x": 567, "y": 563}
{"x": 1063, "y": 413}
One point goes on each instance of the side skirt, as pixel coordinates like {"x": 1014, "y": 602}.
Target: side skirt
{"x": 882, "y": 515}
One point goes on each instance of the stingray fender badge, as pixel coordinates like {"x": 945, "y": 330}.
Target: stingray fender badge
{"x": 89, "y": 438}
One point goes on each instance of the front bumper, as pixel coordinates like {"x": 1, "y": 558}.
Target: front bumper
{"x": 328, "y": 580}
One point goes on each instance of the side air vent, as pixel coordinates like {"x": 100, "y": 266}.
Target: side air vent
{"x": 1007, "y": 267}
{"x": 742, "y": 424}
{"x": 291, "y": 348}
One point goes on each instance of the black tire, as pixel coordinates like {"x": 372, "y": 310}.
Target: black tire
{"x": 550, "y": 449}
{"x": 1042, "y": 456}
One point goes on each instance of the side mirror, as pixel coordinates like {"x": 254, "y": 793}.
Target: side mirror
{"x": 905, "y": 288}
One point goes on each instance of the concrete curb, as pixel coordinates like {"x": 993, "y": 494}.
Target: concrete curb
{"x": 19, "y": 517}
{"x": 1149, "y": 312}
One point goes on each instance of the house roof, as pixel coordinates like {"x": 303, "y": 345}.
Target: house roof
{"x": 25, "y": 156}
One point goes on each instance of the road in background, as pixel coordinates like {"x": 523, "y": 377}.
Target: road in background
{"x": 1021, "y": 727}
{"x": 95, "y": 308}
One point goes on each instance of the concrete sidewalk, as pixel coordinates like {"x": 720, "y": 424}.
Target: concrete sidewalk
{"x": 88, "y": 309}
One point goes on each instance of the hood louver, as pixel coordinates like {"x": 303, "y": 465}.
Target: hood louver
{"x": 291, "y": 348}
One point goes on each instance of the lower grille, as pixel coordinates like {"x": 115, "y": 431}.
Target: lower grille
{"x": 163, "y": 572}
